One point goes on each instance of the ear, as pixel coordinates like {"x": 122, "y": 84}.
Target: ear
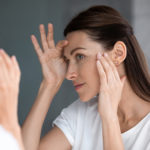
{"x": 118, "y": 53}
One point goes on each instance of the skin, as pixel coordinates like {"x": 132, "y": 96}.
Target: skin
{"x": 79, "y": 73}
{"x": 102, "y": 78}
{"x": 9, "y": 90}
{"x": 106, "y": 76}
{"x": 109, "y": 81}
{"x": 80, "y": 62}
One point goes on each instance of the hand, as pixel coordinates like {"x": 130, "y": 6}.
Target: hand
{"x": 111, "y": 86}
{"x": 53, "y": 65}
{"x": 9, "y": 88}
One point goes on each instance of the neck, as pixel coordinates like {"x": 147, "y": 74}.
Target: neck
{"x": 131, "y": 106}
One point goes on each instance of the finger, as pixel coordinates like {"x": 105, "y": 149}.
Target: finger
{"x": 114, "y": 69}
{"x": 6, "y": 64}
{"x": 103, "y": 79}
{"x": 16, "y": 67}
{"x": 0, "y": 67}
{"x": 36, "y": 46}
{"x": 109, "y": 74}
{"x": 6, "y": 58}
{"x": 50, "y": 38}
{"x": 43, "y": 37}
{"x": 3, "y": 70}
{"x": 16, "y": 64}
{"x": 61, "y": 45}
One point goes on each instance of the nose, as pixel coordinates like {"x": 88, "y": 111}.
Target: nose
{"x": 71, "y": 73}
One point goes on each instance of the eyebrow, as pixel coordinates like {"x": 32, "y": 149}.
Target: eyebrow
{"x": 75, "y": 49}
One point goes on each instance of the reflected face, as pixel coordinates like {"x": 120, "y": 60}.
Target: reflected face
{"x": 80, "y": 56}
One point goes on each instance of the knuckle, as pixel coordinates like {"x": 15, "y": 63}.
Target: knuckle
{"x": 44, "y": 42}
{"x": 37, "y": 47}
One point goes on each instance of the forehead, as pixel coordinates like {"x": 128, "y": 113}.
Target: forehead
{"x": 80, "y": 39}
{"x": 75, "y": 36}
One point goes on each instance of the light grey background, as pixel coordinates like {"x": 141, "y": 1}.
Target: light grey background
{"x": 21, "y": 18}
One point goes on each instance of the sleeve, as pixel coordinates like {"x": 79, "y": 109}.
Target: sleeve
{"x": 67, "y": 121}
{"x": 7, "y": 141}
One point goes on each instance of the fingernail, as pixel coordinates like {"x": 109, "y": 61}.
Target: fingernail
{"x": 98, "y": 63}
{"x": 1, "y": 50}
{"x": 42, "y": 26}
{"x": 65, "y": 41}
{"x": 99, "y": 55}
{"x": 14, "y": 57}
{"x": 105, "y": 54}
{"x": 32, "y": 36}
{"x": 49, "y": 24}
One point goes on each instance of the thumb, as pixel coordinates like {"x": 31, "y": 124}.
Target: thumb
{"x": 61, "y": 44}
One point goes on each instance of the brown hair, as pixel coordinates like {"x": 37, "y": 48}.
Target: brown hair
{"x": 105, "y": 25}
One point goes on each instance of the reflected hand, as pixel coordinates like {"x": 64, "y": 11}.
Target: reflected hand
{"x": 9, "y": 88}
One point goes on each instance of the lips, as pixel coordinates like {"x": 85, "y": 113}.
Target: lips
{"x": 77, "y": 86}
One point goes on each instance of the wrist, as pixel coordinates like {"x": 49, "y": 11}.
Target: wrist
{"x": 50, "y": 85}
{"x": 10, "y": 125}
{"x": 48, "y": 90}
{"x": 110, "y": 116}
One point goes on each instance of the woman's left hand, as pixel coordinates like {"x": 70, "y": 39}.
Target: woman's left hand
{"x": 111, "y": 86}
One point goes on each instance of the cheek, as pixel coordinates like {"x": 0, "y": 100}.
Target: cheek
{"x": 90, "y": 73}
{"x": 95, "y": 78}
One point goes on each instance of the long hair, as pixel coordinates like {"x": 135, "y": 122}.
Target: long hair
{"x": 106, "y": 26}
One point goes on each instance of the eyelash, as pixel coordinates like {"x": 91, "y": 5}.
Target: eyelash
{"x": 76, "y": 56}
{"x": 79, "y": 55}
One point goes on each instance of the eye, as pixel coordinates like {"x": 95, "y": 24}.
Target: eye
{"x": 80, "y": 56}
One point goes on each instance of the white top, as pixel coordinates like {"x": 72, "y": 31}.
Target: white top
{"x": 81, "y": 124}
{"x": 7, "y": 141}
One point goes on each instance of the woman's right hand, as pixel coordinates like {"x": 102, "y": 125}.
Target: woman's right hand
{"x": 53, "y": 65}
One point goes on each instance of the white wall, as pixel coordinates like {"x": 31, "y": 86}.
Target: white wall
{"x": 141, "y": 24}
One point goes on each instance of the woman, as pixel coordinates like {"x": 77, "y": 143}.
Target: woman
{"x": 102, "y": 58}
{"x": 10, "y": 132}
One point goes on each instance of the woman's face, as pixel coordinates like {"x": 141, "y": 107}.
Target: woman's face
{"x": 80, "y": 55}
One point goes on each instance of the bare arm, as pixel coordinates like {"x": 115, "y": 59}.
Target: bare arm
{"x": 31, "y": 129}
{"x": 55, "y": 140}
{"x": 111, "y": 86}
{"x": 54, "y": 70}
{"x": 32, "y": 126}
{"x": 112, "y": 134}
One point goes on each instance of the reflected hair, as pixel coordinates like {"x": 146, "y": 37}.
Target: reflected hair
{"x": 105, "y": 25}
